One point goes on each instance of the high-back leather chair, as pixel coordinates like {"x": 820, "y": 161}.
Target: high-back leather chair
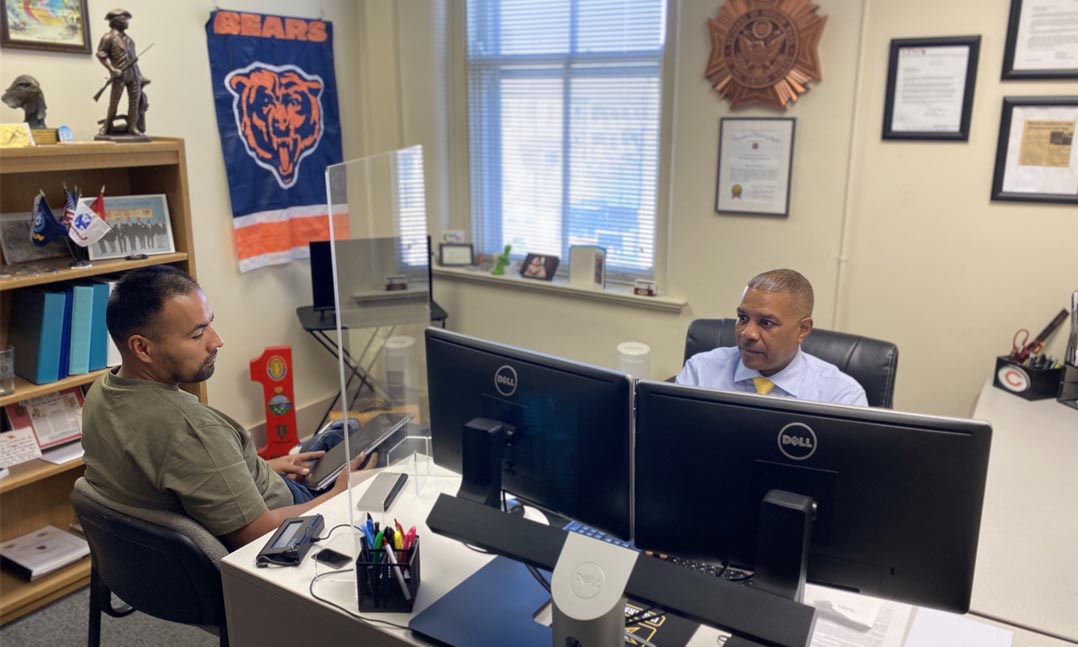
{"x": 160, "y": 563}
{"x": 873, "y": 363}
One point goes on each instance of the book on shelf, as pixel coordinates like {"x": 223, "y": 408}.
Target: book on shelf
{"x": 54, "y": 418}
{"x": 41, "y": 552}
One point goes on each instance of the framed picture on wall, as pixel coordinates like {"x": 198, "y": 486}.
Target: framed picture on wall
{"x": 755, "y": 160}
{"x": 1042, "y": 40}
{"x": 930, "y": 84}
{"x": 53, "y": 26}
{"x": 1036, "y": 156}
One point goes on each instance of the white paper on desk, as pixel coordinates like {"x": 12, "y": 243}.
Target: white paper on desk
{"x": 939, "y": 629}
{"x": 859, "y": 610}
{"x": 887, "y": 630}
{"x": 18, "y": 446}
{"x": 64, "y": 454}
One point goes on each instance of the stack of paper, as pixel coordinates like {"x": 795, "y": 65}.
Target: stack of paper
{"x": 42, "y": 552}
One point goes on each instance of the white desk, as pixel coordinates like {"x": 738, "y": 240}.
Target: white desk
{"x": 1027, "y": 557}
{"x": 274, "y": 607}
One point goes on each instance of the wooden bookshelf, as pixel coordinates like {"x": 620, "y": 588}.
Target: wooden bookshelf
{"x": 38, "y": 493}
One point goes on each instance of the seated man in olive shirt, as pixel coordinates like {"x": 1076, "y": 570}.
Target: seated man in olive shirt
{"x": 150, "y": 444}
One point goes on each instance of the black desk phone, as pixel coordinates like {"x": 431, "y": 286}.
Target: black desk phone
{"x": 289, "y": 545}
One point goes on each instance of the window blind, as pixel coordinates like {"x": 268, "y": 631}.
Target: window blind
{"x": 565, "y": 114}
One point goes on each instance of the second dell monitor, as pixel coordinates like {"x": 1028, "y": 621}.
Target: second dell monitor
{"x": 569, "y": 451}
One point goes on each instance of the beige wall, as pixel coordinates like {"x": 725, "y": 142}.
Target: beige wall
{"x": 899, "y": 238}
{"x": 252, "y": 310}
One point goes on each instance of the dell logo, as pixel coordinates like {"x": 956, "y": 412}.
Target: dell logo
{"x": 588, "y": 580}
{"x": 505, "y": 380}
{"x": 797, "y": 441}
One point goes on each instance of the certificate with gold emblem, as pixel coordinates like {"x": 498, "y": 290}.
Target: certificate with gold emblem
{"x": 755, "y": 157}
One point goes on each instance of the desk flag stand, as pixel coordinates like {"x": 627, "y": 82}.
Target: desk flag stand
{"x": 273, "y": 370}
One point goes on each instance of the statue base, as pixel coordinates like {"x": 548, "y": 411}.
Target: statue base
{"x": 122, "y": 138}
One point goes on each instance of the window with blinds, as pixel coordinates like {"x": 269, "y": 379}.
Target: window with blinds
{"x": 564, "y": 112}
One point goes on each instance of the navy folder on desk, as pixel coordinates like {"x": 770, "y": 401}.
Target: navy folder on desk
{"x": 495, "y": 606}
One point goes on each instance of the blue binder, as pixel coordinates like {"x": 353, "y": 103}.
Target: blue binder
{"x": 81, "y": 310}
{"x": 65, "y": 335}
{"x": 99, "y": 333}
{"x": 36, "y": 334}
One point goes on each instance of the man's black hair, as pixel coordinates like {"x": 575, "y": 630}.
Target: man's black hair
{"x": 139, "y": 296}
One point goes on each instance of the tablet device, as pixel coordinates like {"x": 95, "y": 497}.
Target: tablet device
{"x": 365, "y": 439}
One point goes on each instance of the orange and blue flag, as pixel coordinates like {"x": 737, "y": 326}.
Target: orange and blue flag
{"x": 275, "y": 94}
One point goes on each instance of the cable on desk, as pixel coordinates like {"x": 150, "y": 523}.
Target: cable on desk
{"x": 538, "y": 577}
{"x": 345, "y": 609}
{"x": 328, "y": 534}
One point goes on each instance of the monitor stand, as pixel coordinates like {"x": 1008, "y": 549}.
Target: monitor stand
{"x": 782, "y": 544}
{"x": 483, "y": 443}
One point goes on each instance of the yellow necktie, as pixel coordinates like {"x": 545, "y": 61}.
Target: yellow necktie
{"x": 763, "y": 385}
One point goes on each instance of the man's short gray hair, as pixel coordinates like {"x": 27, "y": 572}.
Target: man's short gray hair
{"x": 789, "y": 281}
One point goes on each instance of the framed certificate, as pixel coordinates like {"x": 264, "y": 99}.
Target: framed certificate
{"x": 930, "y": 85}
{"x": 1036, "y": 156}
{"x": 456, "y": 254}
{"x": 1042, "y": 40}
{"x": 755, "y": 158}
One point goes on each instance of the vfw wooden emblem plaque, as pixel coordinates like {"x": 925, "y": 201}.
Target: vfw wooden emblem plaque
{"x": 764, "y": 51}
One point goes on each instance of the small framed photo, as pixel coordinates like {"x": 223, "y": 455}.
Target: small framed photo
{"x": 140, "y": 225}
{"x": 1040, "y": 41}
{"x": 539, "y": 266}
{"x": 755, "y": 160}
{"x": 1036, "y": 156}
{"x": 456, "y": 254}
{"x": 15, "y": 239}
{"x": 930, "y": 84}
{"x": 51, "y": 26}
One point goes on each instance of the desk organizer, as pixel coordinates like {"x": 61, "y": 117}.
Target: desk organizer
{"x": 377, "y": 579}
{"x": 1026, "y": 382}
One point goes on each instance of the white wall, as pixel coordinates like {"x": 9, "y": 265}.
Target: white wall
{"x": 252, "y": 310}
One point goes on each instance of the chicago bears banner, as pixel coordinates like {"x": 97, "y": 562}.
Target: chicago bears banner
{"x": 275, "y": 93}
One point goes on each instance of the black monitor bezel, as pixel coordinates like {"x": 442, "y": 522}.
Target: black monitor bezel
{"x": 652, "y": 437}
{"x": 619, "y": 448}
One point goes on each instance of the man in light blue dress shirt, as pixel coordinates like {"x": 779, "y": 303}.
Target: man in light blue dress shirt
{"x": 774, "y": 316}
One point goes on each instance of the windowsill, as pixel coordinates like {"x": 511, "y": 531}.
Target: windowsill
{"x": 619, "y": 294}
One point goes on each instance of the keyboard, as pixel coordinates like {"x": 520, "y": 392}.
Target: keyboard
{"x": 588, "y": 531}
{"x": 710, "y": 568}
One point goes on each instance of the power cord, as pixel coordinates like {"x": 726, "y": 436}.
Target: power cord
{"x": 345, "y": 609}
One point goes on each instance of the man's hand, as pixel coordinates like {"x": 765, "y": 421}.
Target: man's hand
{"x": 360, "y": 462}
{"x": 293, "y": 466}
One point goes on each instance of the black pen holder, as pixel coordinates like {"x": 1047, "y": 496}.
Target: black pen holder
{"x": 382, "y": 584}
{"x": 1026, "y": 382}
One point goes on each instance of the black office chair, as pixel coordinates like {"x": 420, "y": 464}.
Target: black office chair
{"x": 160, "y": 563}
{"x": 873, "y": 363}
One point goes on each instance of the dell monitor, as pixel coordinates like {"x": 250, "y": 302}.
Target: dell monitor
{"x": 569, "y": 447}
{"x": 898, "y": 496}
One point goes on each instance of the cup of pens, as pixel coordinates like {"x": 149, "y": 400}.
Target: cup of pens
{"x": 387, "y": 578}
